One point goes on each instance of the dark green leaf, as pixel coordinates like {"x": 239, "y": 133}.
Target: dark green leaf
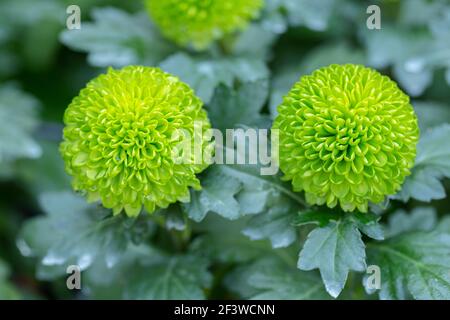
{"x": 431, "y": 114}
{"x": 321, "y": 218}
{"x": 366, "y": 222}
{"x": 145, "y": 273}
{"x": 221, "y": 240}
{"x": 174, "y": 277}
{"x": 18, "y": 117}
{"x": 229, "y": 108}
{"x": 74, "y": 232}
{"x": 415, "y": 263}
{"x": 273, "y": 279}
{"x": 252, "y": 179}
{"x": 433, "y": 152}
{"x": 117, "y": 38}
{"x": 204, "y": 74}
{"x": 217, "y": 195}
{"x": 275, "y": 224}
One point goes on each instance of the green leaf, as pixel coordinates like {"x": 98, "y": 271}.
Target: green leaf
{"x": 273, "y": 279}
{"x": 433, "y": 152}
{"x": 414, "y": 263}
{"x": 251, "y": 178}
{"x": 117, "y": 38}
{"x": 217, "y": 195}
{"x": 174, "y": 217}
{"x": 230, "y": 108}
{"x": 18, "y": 118}
{"x": 175, "y": 277}
{"x": 234, "y": 191}
{"x": 222, "y": 241}
{"x": 258, "y": 38}
{"x": 431, "y": 114}
{"x": 74, "y": 232}
{"x": 420, "y": 219}
{"x": 321, "y": 218}
{"x": 311, "y": 14}
{"x": 334, "y": 250}
{"x": 414, "y": 82}
{"x": 204, "y": 73}
{"x": 393, "y": 45}
{"x": 255, "y": 41}
{"x": 8, "y": 63}
{"x": 101, "y": 281}
{"x": 231, "y": 188}
{"x": 46, "y": 173}
{"x": 252, "y": 201}
{"x": 145, "y": 273}
{"x": 366, "y": 222}
{"x": 274, "y": 224}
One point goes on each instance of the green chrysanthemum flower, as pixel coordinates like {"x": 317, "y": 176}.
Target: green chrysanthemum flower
{"x": 199, "y": 22}
{"x": 119, "y": 139}
{"x": 348, "y": 135}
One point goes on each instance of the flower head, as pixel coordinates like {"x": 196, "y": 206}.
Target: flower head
{"x": 199, "y": 22}
{"x": 348, "y": 135}
{"x": 119, "y": 139}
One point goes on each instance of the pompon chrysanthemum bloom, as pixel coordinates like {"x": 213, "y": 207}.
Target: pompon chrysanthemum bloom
{"x": 348, "y": 135}
{"x": 199, "y": 22}
{"x": 119, "y": 139}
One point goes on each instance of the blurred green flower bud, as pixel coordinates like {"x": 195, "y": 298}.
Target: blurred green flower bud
{"x": 348, "y": 136}
{"x": 199, "y": 22}
{"x": 119, "y": 139}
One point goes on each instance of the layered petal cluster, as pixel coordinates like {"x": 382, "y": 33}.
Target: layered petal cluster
{"x": 199, "y": 22}
{"x": 348, "y": 136}
{"x": 121, "y": 134}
